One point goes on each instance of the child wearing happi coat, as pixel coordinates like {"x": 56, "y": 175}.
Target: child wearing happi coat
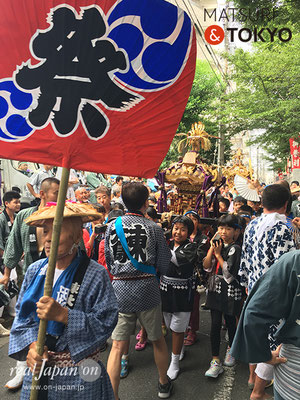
{"x": 225, "y": 295}
{"x": 178, "y": 288}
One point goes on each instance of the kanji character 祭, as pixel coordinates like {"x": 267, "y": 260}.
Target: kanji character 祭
{"x": 75, "y": 72}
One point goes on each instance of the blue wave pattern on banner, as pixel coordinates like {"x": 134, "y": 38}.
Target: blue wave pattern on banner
{"x": 13, "y": 105}
{"x": 156, "y": 36}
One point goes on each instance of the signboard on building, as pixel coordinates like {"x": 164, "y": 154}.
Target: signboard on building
{"x": 295, "y": 153}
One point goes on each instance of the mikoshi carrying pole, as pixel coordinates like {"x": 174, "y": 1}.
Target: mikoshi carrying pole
{"x": 63, "y": 187}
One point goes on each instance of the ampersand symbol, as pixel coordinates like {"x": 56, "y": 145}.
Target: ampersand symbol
{"x": 213, "y": 37}
{"x": 214, "y": 34}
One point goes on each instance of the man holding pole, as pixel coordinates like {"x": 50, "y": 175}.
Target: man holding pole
{"x": 26, "y": 240}
{"x": 81, "y": 314}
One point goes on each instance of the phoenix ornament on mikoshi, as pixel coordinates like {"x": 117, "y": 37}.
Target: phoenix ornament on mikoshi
{"x": 237, "y": 168}
{"x": 196, "y": 138}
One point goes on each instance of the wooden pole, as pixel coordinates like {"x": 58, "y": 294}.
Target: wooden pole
{"x": 63, "y": 187}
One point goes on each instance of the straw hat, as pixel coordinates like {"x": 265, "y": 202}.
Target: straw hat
{"x": 86, "y": 212}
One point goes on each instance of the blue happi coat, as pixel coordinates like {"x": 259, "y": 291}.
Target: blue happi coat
{"x": 90, "y": 324}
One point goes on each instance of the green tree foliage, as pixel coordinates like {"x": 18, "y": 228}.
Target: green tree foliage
{"x": 267, "y": 84}
{"x": 261, "y": 13}
{"x": 201, "y": 106}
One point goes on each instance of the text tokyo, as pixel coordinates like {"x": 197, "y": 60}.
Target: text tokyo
{"x": 259, "y": 34}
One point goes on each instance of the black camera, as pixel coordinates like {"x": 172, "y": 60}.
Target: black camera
{"x": 168, "y": 234}
{"x": 217, "y": 240}
{"x": 7, "y": 294}
{"x": 165, "y": 225}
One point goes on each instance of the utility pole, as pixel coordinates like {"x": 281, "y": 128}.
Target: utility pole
{"x": 257, "y": 164}
{"x": 221, "y": 146}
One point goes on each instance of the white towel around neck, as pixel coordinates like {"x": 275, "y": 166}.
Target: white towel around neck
{"x": 268, "y": 222}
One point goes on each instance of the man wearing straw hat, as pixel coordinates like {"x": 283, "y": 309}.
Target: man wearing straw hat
{"x": 26, "y": 240}
{"x": 81, "y": 314}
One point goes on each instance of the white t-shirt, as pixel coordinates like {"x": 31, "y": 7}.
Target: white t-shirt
{"x": 37, "y": 179}
{"x": 57, "y": 274}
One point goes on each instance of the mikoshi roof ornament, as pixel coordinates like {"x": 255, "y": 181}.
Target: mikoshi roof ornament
{"x": 92, "y": 85}
{"x": 237, "y": 167}
{"x": 191, "y": 176}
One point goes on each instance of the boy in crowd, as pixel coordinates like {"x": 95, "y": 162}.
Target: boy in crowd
{"x": 246, "y": 213}
{"x": 224, "y": 204}
{"x": 237, "y": 203}
{"x": 256, "y": 207}
{"x": 224, "y": 297}
{"x": 226, "y": 193}
{"x": 178, "y": 288}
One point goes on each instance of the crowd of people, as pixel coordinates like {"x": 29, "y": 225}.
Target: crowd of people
{"x": 120, "y": 261}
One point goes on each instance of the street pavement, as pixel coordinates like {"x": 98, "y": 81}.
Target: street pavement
{"x": 141, "y": 383}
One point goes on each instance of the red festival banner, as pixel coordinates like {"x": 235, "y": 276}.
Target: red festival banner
{"x": 295, "y": 153}
{"x": 93, "y": 85}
